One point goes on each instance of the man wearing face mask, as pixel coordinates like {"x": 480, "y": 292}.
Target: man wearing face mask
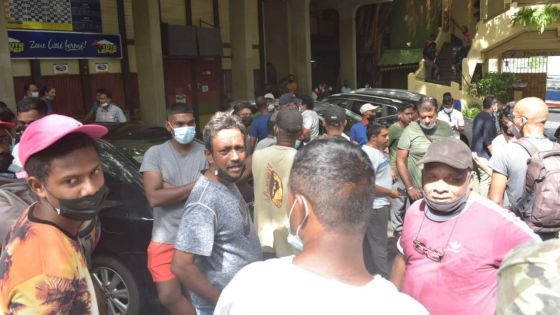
{"x": 28, "y": 111}
{"x": 329, "y": 206}
{"x": 271, "y": 172}
{"x": 6, "y": 144}
{"x": 30, "y": 90}
{"x": 451, "y": 116}
{"x": 454, "y": 240}
{"x": 414, "y": 142}
{"x": 170, "y": 171}
{"x": 107, "y": 111}
{"x": 216, "y": 236}
{"x": 358, "y": 132}
{"x": 245, "y": 113}
{"x": 509, "y": 166}
{"x": 47, "y": 270}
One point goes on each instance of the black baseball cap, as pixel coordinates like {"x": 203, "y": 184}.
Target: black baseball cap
{"x": 289, "y": 120}
{"x": 450, "y": 151}
{"x": 335, "y": 116}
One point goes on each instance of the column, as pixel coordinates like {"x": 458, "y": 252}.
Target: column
{"x": 149, "y": 60}
{"x": 7, "y": 94}
{"x": 241, "y": 50}
{"x": 300, "y": 35}
{"x": 347, "y": 44}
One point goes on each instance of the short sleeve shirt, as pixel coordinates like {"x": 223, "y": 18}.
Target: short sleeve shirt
{"x": 454, "y": 119}
{"x": 395, "y": 132}
{"x": 511, "y": 161}
{"x": 383, "y": 176}
{"x": 484, "y": 131}
{"x": 464, "y": 282}
{"x": 311, "y": 122}
{"x": 112, "y": 113}
{"x": 217, "y": 228}
{"x": 358, "y": 133}
{"x": 415, "y": 140}
{"x": 175, "y": 169}
{"x": 271, "y": 173}
{"x": 43, "y": 271}
{"x": 259, "y": 128}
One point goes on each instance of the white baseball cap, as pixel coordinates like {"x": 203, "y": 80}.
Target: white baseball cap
{"x": 269, "y": 96}
{"x": 366, "y": 107}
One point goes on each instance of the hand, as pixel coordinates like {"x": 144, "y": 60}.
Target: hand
{"x": 394, "y": 175}
{"x": 395, "y": 194}
{"x": 414, "y": 193}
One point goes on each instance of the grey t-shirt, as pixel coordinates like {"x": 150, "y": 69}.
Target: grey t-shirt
{"x": 216, "y": 227}
{"x": 176, "y": 169}
{"x": 511, "y": 161}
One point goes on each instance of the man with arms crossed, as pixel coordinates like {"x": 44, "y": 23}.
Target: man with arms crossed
{"x": 170, "y": 171}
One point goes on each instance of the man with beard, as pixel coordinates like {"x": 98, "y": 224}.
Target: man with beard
{"x": 453, "y": 240}
{"x": 43, "y": 269}
{"x": 170, "y": 171}
{"x": 358, "y": 132}
{"x": 28, "y": 110}
{"x": 414, "y": 142}
{"x": 216, "y": 237}
{"x": 271, "y": 172}
{"x": 510, "y": 164}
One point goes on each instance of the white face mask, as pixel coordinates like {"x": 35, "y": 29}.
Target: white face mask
{"x": 35, "y": 94}
{"x": 294, "y": 239}
{"x": 427, "y": 127}
{"x": 104, "y": 104}
{"x": 448, "y": 110}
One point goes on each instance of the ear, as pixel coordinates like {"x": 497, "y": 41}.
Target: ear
{"x": 37, "y": 187}
{"x": 168, "y": 126}
{"x": 209, "y": 157}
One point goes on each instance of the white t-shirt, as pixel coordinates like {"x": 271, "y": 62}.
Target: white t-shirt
{"x": 383, "y": 176}
{"x": 278, "y": 287}
{"x": 311, "y": 122}
{"x": 454, "y": 119}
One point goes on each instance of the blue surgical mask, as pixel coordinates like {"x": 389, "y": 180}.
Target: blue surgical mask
{"x": 184, "y": 135}
{"x": 294, "y": 239}
{"x": 448, "y": 110}
{"x": 297, "y": 144}
{"x": 427, "y": 127}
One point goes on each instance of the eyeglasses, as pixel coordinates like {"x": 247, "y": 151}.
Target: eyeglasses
{"x": 431, "y": 253}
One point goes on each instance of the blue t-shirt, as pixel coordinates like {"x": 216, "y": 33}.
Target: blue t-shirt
{"x": 484, "y": 131}
{"x": 358, "y": 133}
{"x": 457, "y": 105}
{"x": 259, "y": 128}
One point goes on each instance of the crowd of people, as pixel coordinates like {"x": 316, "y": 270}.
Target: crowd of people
{"x": 279, "y": 211}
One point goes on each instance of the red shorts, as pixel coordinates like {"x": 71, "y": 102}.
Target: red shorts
{"x": 160, "y": 256}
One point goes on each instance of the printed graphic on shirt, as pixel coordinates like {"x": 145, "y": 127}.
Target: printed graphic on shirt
{"x": 274, "y": 186}
{"x": 31, "y": 283}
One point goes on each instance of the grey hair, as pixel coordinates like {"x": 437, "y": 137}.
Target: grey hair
{"x": 217, "y": 123}
{"x": 427, "y": 104}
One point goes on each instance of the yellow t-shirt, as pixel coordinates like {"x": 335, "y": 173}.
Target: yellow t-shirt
{"x": 271, "y": 171}
{"x": 43, "y": 271}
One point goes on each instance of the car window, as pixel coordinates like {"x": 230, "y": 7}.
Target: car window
{"x": 118, "y": 164}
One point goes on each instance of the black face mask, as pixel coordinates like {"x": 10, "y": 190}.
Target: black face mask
{"x": 516, "y": 132}
{"x": 5, "y": 162}
{"x": 84, "y": 208}
{"x": 247, "y": 121}
{"x": 226, "y": 177}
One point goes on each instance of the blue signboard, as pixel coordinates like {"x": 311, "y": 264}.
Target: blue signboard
{"x": 63, "y": 45}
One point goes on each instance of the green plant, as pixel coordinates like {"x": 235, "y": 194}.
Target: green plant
{"x": 496, "y": 84}
{"x": 540, "y": 17}
{"x": 472, "y": 110}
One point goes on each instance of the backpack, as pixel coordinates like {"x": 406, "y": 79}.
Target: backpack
{"x": 540, "y": 203}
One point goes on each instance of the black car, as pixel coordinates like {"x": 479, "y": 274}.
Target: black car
{"x": 389, "y": 102}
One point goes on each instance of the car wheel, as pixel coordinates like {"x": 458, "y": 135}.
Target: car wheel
{"x": 119, "y": 287}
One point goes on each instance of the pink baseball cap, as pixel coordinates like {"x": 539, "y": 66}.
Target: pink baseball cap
{"x": 42, "y": 133}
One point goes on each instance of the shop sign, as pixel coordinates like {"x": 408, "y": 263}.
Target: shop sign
{"x": 25, "y": 44}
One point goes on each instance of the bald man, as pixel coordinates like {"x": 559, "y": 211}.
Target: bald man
{"x": 509, "y": 166}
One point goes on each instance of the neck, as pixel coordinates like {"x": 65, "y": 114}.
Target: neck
{"x": 209, "y": 173}
{"x": 402, "y": 124}
{"x": 489, "y": 110}
{"x": 285, "y": 141}
{"x": 374, "y": 145}
{"x": 181, "y": 148}
{"x": 264, "y": 110}
{"x": 344, "y": 254}
{"x": 44, "y": 211}
{"x": 334, "y": 132}
{"x": 536, "y": 131}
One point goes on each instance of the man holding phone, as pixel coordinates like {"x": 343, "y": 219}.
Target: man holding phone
{"x": 375, "y": 240}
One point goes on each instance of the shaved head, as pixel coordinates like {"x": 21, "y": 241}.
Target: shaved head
{"x": 533, "y": 108}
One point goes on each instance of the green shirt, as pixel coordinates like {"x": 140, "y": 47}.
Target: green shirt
{"x": 395, "y": 132}
{"x": 414, "y": 139}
